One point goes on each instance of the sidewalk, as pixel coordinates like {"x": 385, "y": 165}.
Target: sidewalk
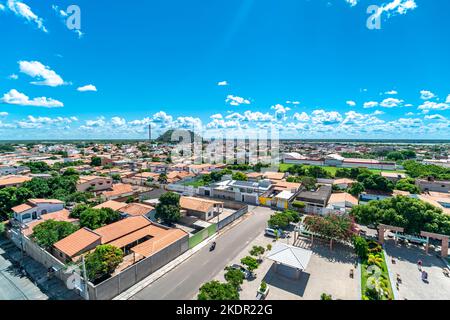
{"x": 176, "y": 262}
{"x": 161, "y": 272}
{"x": 52, "y": 289}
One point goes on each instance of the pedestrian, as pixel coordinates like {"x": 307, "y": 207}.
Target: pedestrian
{"x": 419, "y": 264}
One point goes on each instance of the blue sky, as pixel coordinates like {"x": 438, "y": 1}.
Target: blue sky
{"x": 310, "y": 68}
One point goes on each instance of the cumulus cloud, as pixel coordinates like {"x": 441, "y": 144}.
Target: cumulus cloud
{"x": 13, "y": 76}
{"x": 391, "y": 92}
{"x": 17, "y": 98}
{"x": 301, "y": 117}
{"x": 44, "y": 74}
{"x": 23, "y": 11}
{"x": 396, "y": 7}
{"x": 236, "y": 101}
{"x": 118, "y": 122}
{"x": 222, "y": 83}
{"x": 88, "y": 87}
{"x": 429, "y": 105}
{"x": 426, "y": 95}
{"x": 448, "y": 99}
{"x": 351, "y": 103}
{"x": 435, "y": 117}
{"x": 3, "y": 114}
{"x": 370, "y": 104}
{"x": 280, "y": 111}
{"x": 391, "y": 103}
{"x": 326, "y": 118}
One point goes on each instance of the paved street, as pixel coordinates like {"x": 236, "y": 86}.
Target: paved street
{"x": 184, "y": 281}
{"x": 412, "y": 287}
{"x": 13, "y": 285}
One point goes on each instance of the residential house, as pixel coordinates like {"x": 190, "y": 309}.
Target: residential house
{"x": 431, "y": 184}
{"x": 341, "y": 202}
{"x": 201, "y": 208}
{"x": 119, "y": 191}
{"x": 33, "y": 209}
{"x": 13, "y": 181}
{"x": 137, "y": 209}
{"x": 93, "y": 183}
{"x": 393, "y": 176}
{"x": 315, "y": 201}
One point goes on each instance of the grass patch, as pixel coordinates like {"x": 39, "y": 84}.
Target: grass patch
{"x": 384, "y": 275}
{"x": 332, "y": 170}
{"x": 195, "y": 183}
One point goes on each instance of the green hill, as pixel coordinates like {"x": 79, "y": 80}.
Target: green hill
{"x": 166, "y": 137}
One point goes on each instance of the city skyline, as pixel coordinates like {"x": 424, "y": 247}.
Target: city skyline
{"x": 311, "y": 69}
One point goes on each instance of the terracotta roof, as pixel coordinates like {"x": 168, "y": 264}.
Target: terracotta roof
{"x": 161, "y": 239}
{"x": 114, "y": 205}
{"x": 343, "y": 180}
{"x": 121, "y": 228}
{"x": 52, "y": 201}
{"x": 119, "y": 189}
{"x": 254, "y": 175}
{"x": 84, "y": 179}
{"x": 21, "y": 208}
{"x": 12, "y": 180}
{"x": 341, "y": 197}
{"x": 61, "y": 215}
{"x": 282, "y": 185}
{"x": 274, "y": 175}
{"x": 196, "y": 204}
{"x": 136, "y": 209}
{"x": 77, "y": 242}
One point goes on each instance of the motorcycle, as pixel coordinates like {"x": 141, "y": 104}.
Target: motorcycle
{"x": 213, "y": 246}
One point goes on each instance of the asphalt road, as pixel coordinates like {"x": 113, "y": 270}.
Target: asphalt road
{"x": 183, "y": 282}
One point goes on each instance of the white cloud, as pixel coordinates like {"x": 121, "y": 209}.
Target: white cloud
{"x": 351, "y": 103}
{"x": 222, "y": 83}
{"x": 391, "y": 103}
{"x": 236, "y": 101}
{"x": 99, "y": 122}
{"x": 429, "y": 105}
{"x": 293, "y": 102}
{"x": 426, "y": 95}
{"x": 3, "y": 114}
{"x": 251, "y": 116}
{"x": 378, "y": 112}
{"x": 162, "y": 117}
{"x": 352, "y": 2}
{"x": 22, "y": 10}
{"x": 392, "y": 92}
{"x": 44, "y": 74}
{"x": 88, "y": 87}
{"x": 448, "y": 99}
{"x": 2, "y": 7}
{"x": 370, "y": 104}
{"x": 216, "y": 116}
{"x": 409, "y": 114}
{"x": 397, "y": 7}
{"x": 280, "y": 111}
{"x": 436, "y": 117}
{"x": 326, "y": 118}
{"x": 13, "y": 76}
{"x": 118, "y": 122}
{"x": 302, "y": 117}
{"x": 16, "y": 98}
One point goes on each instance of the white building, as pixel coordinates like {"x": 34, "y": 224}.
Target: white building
{"x": 33, "y": 209}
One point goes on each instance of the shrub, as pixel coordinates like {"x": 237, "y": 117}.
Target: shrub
{"x": 299, "y": 205}
{"x": 361, "y": 247}
{"x": 103, "y": 261}
{"x": 215, "y": 290}
{"x": 325, "y": 296}
{"x": 263, "y": 286}
{"x": 250, "y": 262}
{"x": 234, "y": 277}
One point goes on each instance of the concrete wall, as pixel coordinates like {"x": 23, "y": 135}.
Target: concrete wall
{"x": 113, "y": 286}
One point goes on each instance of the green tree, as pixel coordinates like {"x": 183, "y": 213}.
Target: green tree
{"x": 325, "y": 296}
{"x": 76, "y": 212}
{"x": 96, "y": 161}
{"x": 250, "y": 262}
{"x": 102, "y": 262}
{"x": 168, "y": 208}
{"x": 215, "y": 290}
{"x": 47, "y": 233}
{"x": 278, "y": 220}
{"x": 407, "y": 184}
{"x": 234, "y": 277}
{"x": 239, "y": 176}
{"x": 356, "y": 189}
{"x": 257, "y": 251}
{"x": 361, "y": 247}
{"x": 299, "y": 205}
{"x": 412, "y": 214}
{"x": 97, "y": 218}
{"x": 162, "y": 178}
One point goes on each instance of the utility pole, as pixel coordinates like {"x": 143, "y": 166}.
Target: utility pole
{"x": 86, "y": 292}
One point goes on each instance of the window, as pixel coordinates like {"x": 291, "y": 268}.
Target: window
{"x": 26, "y": 216}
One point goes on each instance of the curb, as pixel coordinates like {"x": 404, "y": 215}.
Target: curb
{"x": 127, "y": 294}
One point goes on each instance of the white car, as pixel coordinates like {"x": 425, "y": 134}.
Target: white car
{"x": 273, "y": 232}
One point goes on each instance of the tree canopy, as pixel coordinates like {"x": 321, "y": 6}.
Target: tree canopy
{"x": 419, "y": 170}
{"x": 333, "y": 226}
{"x": 47, "y": 233}
{"x": 168, "y": 208}
{"x": 103, "y": 261}
{"x": 215, "y": 290}
{"x": 96, "y": 218}
{"x": 412, "y": 214}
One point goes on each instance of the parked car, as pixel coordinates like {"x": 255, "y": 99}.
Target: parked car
{"x": 247, "y": 274}
{"x": 273, "y": 233}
